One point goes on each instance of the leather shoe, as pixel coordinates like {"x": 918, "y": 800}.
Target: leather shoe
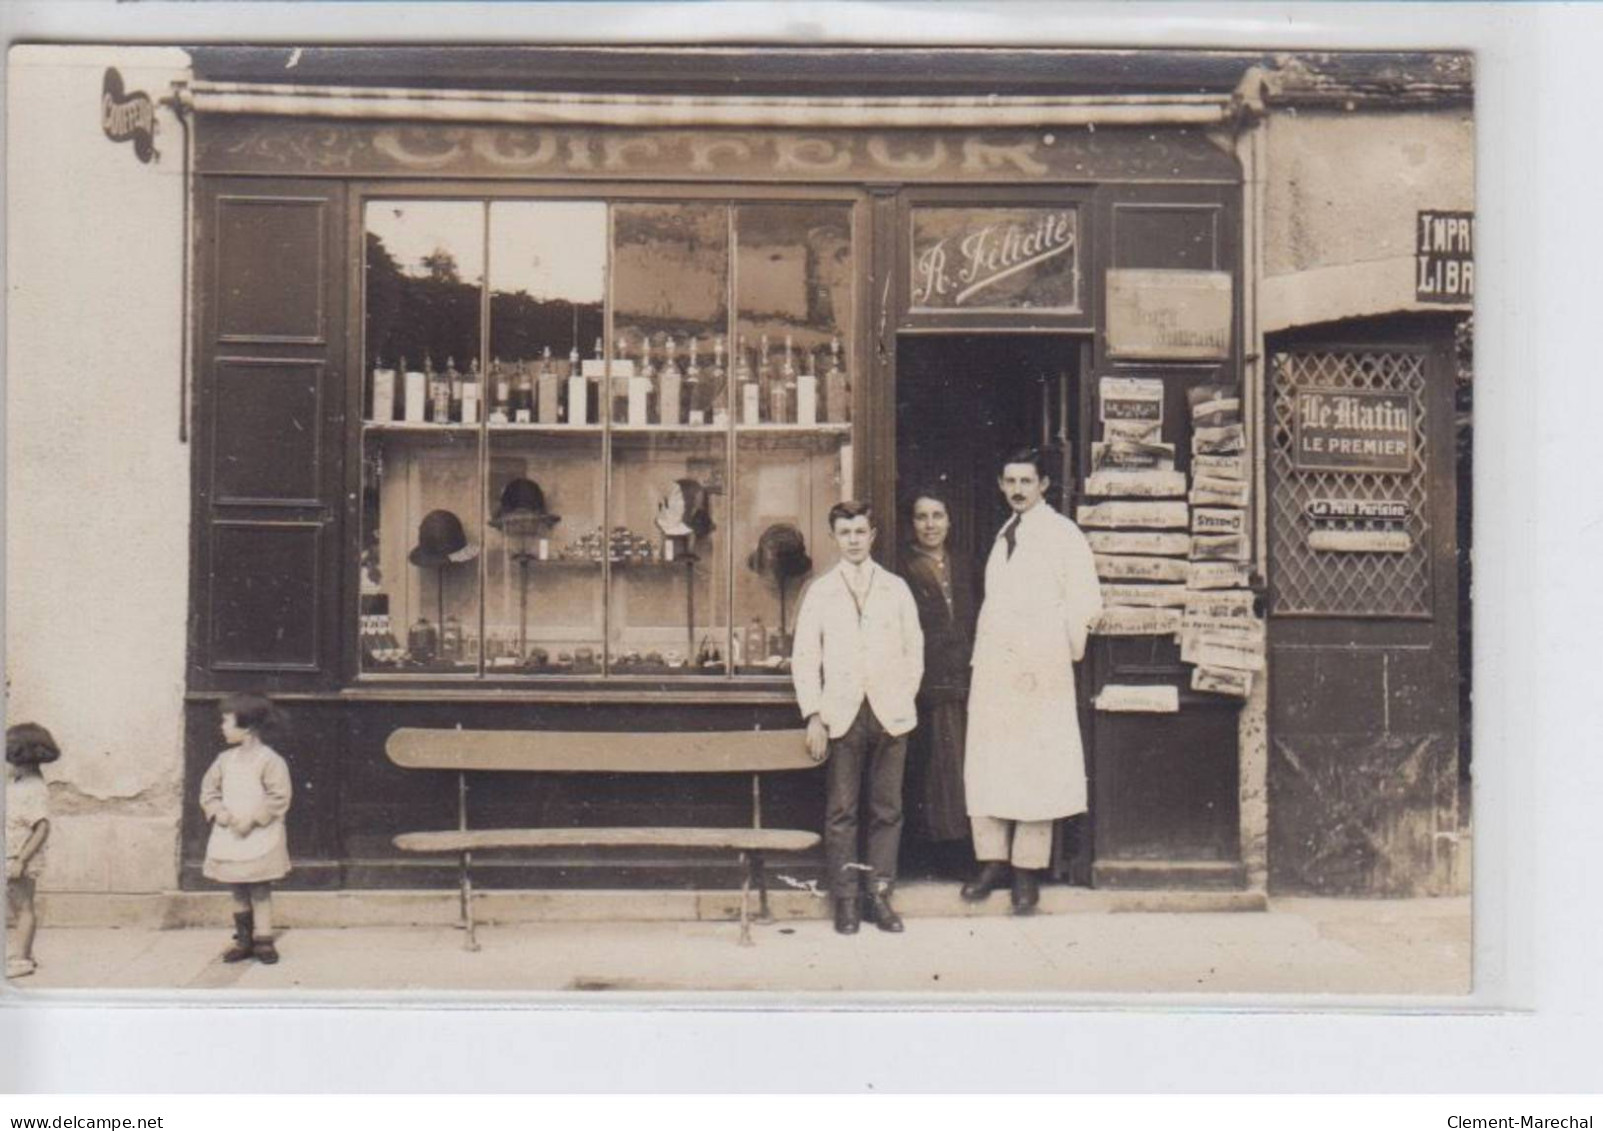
{"x": 992, "y": 875}
{"x": 848, "y": 916}
{"x": 1026, "y": 891}
{"x": 877, "y": 910}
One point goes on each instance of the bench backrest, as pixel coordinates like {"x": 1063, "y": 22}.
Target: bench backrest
{"x": 671, "y": 752}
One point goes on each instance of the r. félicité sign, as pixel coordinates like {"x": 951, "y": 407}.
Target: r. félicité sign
{"x": 994, "y": 258}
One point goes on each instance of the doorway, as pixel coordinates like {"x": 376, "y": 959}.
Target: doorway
{"x": 963, "y": 402}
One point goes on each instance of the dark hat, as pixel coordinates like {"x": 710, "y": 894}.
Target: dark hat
{"x": 522, "y": 501}
{"x": 782, "y": 552}
{"x": 29, "y": 744}
{"x": 441, "y": 539}
{"x": 686, "y": 511}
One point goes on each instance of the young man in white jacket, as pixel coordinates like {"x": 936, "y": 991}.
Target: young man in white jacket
{"x": 857, "y": 663}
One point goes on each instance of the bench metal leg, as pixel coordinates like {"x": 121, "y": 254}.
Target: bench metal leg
{"x": 745, "y": 902}
{"x": 765, "y": 915}
{"x": 471, "y": 941}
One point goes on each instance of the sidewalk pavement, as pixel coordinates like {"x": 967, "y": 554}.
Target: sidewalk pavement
{"x": 1296, "y": 946}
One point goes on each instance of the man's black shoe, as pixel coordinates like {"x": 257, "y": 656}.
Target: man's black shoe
{"x": 1026, "y": 891}
{"x": 877, "y": 910}
{"x": 847, "y": 915}
{"x": 993, "y": 874}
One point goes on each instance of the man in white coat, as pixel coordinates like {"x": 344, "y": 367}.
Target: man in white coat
{"x": 857, "y": 663}
{"x": 1025, "y": 764}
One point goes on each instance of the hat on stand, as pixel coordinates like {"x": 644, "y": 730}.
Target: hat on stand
{"x": 686, "y": 512}
{"x": 522, "y": 508}
{"x": 441, "y": 539}
{"x": 782, "y": 552}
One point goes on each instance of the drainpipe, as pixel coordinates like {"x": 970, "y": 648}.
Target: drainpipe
{"x": 178, "y": 102}
{"x": 649, "y": 111}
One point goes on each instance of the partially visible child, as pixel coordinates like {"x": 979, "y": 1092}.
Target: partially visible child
{"x": 245, "y": 796}
{"x": 28, "y": 746}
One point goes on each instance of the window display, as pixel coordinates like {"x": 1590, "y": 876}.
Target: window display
{"x": 630, "y": 484}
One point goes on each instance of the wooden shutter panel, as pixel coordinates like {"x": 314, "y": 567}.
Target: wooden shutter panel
{"x": 269, "y": 406}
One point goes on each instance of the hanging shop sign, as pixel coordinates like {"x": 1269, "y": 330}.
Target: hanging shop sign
{"x": 996, "y": 259}
{"x": 1444, "y": 257}
{"x": 128, "y": 117}
{"x": 1370, "y": 510}
{"x": 1357, "y": 430}
{"x": 1182, "y": 315}
{"x": 1361, "y": 541}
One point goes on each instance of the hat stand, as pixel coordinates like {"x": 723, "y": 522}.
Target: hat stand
{"x": 690, "y": 606}
{"x": 439, "y": 601}
{"x": 522, "y": 527}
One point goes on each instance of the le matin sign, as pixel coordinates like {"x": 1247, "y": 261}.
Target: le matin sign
{"x": 128, "y": 117}
{"x": 996, "y": 259}
{"x": 1358, "y": 430}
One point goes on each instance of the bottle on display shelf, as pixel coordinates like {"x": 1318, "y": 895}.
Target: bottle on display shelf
{"x": 837, "y": 390}
{"x": 547, "y": 386}
{"x": 669, "y": 384}
{"x": 439, "y": 392}
{"x": 643, "y": 385}
{"x": 618, "y": 391}
{"x": 782, "y": 392}
{"x": 715, "y": 391}
{"x": 472, "y": 393}
{"x": 807, "y": 392}
{"x": 746, "y": 384}
{"x": 695, "y": 410}
{"x": 523, "y": 396}
{"x": 767, "y": 378}
{"x": 500, "y": 393}
{"x": 453, "y": 380}
{"x": 756, "y": 642}
{"x": 415, "y": 395}
{"x": 383, "y": 393}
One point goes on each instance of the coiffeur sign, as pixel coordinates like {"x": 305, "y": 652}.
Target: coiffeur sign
{"x": 128, "y": 117}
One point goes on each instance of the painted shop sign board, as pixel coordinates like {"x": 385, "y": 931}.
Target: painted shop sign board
{"x": 1361, "y": 541}
{"x": 1444, "y": 257}
{"x": 1182, "y": 315}
{"x": 1138, "y": 542}
{"x": 1152, "y": 699}
{"x": 1370, "y": 510}
{"x": 128, "y": 117}
{"x": 1158, "y": 516}
{"x": 1357, "y": 430}
{"x": 1118, "y": 621}
{"x": 1141, "y": 569}
{"x": 996, "y": 259}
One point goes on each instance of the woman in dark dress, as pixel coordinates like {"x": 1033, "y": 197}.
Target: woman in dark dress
{"x": 942, "y": 585}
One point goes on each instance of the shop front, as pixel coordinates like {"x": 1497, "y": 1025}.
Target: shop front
{"x": 524, "y": 410}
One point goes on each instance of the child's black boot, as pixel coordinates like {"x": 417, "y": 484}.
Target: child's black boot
{"x": 243, "y": 928}
{"x": 266, "y": 953}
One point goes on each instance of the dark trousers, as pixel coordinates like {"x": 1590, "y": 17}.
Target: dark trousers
{"x": 864, "y": 751}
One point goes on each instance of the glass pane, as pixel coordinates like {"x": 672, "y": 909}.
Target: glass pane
{"x": 670, "y": 314}
{"x": 546, "y": 486}
{"x": 669, "y": 415}
{"x": 794, "y": 326}
{"x": 996, "y": 259}
{"x": 421, "y": 493}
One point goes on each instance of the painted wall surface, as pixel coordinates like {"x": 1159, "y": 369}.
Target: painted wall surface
{"x": 97, "y": 480}
{"x": 1342, "y": 199}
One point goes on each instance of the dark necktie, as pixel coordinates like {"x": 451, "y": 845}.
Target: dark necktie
{"x": 1011, "y": 533}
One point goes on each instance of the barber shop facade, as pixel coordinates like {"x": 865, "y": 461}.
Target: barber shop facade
{"x": 521, "y": 384}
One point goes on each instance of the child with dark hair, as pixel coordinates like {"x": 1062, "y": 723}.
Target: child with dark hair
{"x": 28, "y": 746}
{"x": 245, "y": 795}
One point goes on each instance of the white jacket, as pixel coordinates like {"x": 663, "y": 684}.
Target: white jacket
{"x": 840, "y": 657}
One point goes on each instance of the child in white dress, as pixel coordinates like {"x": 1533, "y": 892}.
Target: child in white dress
{"x": 245, "y": 795}
{"x": 28, "y": 746}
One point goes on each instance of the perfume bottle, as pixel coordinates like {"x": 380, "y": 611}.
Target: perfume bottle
{"x": 807, "y": 392}
{"x": 500, "y": 393}
{"x": 782, "y": 388}
{"x": 695, "y": 410}
{"x": 547, "y": 386}
{"x": 453, "y": 381}
{"x": 746, "y": 383}
{"x": 756, "y": 641}
{"x": 439, "y": 392}
{"x": 837, "y": 391}
{"x": 523, "y": 396}
{"x": 669, "y": 383}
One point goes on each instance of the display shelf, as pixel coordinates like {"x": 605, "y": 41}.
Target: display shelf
{"x": 793, "y": 437}
{"x": 418, "y": 427}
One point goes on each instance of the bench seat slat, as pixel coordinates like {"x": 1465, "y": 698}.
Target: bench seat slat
{"x": 739, "y": 840}
{"x": 668, "y": 752}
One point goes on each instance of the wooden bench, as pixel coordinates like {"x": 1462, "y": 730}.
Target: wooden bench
{"x": 518, "y": 751}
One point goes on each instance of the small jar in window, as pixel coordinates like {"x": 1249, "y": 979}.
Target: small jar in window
{"x": 422, "y": 642}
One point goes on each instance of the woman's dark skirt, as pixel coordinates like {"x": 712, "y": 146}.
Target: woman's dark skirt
{"x": 936, "y": 794}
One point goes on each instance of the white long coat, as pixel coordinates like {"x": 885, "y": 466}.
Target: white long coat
{"x": 1025, "y": 760}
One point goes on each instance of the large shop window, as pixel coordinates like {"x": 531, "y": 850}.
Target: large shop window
{"x": 600, "y": 439}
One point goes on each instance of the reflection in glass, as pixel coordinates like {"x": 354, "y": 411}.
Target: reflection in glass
{"x": 793, "y": 456}
{"x": 547, "y": 280}
{"x": 424, "y": 283}
{"x": 671, "y": 312}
